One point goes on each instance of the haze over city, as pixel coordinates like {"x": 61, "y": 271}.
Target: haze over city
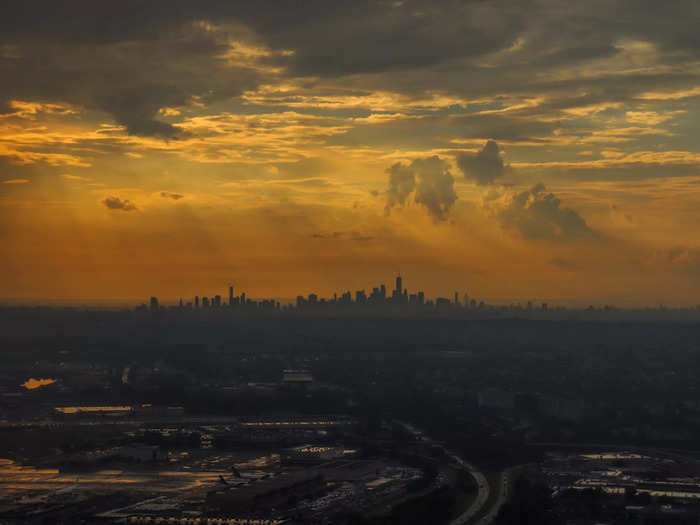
{"x": 368, "y": 262}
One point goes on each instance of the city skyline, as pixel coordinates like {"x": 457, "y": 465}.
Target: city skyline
{"x": 371, "y": 297}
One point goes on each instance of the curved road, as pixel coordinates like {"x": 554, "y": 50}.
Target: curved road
{"x": 503, "y": 487}
{"x": 483, "y": 485}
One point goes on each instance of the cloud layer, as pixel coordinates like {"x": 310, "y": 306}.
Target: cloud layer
{"x": 538, "y": 214}
{"x": 285, "y": 120}
{"x": 428, "y": 180}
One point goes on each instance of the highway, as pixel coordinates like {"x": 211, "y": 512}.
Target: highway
{"x": 503, "y": 488}
{"x": 482, "y": 484}
{"x": 481, "y": 498}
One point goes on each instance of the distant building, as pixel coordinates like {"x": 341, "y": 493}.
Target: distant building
{"x": 148, "y": 410}
{"x": 253, "y": 499}
{"x": 140, "y": 452}
{"x": 310, "y": 454}
{"x": 154, "y": 304}
{"x": 297, "y": 377}
{"x": 442, "y": 303}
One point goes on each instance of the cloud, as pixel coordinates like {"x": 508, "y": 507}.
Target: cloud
{"x": 68, "y": 176}
{"x": 683, "y": 259}
{"x": 483, "y": 167}
{"x": 115, "y": 203}
{"x": 140, "y": 68}
{"x": 430, "y": 182}
{"x": 350, "y": 236}
{"x": 170, "y": 195}
{"x": 538, "y": 214}
{"x": 15, "y": 181}
{"x": 402, "y": 182}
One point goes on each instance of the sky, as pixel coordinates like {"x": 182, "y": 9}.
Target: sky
{"x": 529, "y": 150}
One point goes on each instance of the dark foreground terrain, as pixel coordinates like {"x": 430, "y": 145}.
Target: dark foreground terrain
{"x": 307, "y": 419}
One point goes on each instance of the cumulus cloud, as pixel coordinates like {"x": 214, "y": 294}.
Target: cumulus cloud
{"x": 170, "y": 195}
{"x": 538, "y": 214}
{"x": 484, "y": 167}
{"x": 402, "y": 182}
{"x": 115, "y": 203}
{"x": 428, "y": 180}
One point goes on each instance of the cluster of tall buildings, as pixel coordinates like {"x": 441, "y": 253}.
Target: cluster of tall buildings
{"x": 217, "y": 302}
{"x": 377, "y": 299}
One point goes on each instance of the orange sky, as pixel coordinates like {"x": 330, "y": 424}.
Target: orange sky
{"x": 478, "y": 147}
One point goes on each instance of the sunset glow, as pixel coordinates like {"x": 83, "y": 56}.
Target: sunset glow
{"x": 506, "y": 149}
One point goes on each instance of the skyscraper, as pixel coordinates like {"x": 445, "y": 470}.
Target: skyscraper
{"x": 230, "y": 295}
{"x": 399, "y": 285}
{"x": 154, "y": 304}
{"x": 196, "y": 302}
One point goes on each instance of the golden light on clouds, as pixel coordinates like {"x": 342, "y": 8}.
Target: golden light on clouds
{"x": 485, "y": 147}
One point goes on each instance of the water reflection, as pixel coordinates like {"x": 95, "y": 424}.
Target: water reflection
{"x": 105, "y": 409}
{"x": 17, "y": 479}
{"x": 32, "y": 383}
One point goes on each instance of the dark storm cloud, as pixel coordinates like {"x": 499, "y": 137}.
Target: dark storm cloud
{"x": 97, "y": 59}
{"x": 131, "y": 58}
{"x": 428, "y": 180}
{"x": 374, "y": 37}
{"x": 115, "y": 203}
{"x": 483, "y": 167}
{"x": 170, "y": 195}
{"x": 538, "y": 214}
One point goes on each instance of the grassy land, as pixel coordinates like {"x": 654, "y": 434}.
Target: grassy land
{"x": 464, "y": 497}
